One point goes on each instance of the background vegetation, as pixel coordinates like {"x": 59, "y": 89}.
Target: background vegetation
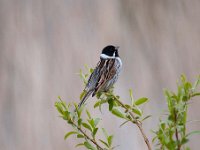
{"x": 171, "y": 133}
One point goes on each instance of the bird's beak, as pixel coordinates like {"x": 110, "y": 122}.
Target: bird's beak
{"x": 116, "y": 47}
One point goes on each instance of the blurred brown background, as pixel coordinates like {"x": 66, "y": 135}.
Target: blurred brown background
{"x": 44, "y": 43}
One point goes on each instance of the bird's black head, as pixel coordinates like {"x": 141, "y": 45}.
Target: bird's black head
{"x": 110, "y": 52}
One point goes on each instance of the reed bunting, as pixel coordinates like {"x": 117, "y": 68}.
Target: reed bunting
{"x": 105, "y": 74}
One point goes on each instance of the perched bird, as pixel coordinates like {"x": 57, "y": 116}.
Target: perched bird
{"x": 105, "y": 74}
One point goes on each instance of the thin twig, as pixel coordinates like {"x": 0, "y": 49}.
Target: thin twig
{"x": 176, "y": 131}
{"x": 87, "y": 137}
{"x": 143, "y": 134}
{"x": 135, "y": 121}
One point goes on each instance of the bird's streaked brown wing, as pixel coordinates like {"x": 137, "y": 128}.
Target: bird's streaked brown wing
{"x": 107, "y": 72}
{"x": 92, "y": 81}
{"x": 94, "y": 77}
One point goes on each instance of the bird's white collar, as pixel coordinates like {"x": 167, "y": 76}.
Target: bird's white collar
{"x": 106, "y": 56}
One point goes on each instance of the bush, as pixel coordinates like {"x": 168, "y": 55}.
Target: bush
{"x": 171, "y": 133}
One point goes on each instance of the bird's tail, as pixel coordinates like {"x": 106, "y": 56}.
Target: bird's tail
{"x": 84, "y": 98}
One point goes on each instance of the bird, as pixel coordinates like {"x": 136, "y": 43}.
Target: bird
{"x": 105, "y": 74}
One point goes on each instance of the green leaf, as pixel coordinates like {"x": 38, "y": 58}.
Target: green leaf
{"x": 88, "y": 114}
{"x": 64, "y": 105}
{"x": 188, "y": 85}
{"x": 86, "y": 76}
{"x": 80, "y": 136}
{"x": 110, "y": 139}
{"x": 91, "y": 70}
{"x": 79, "y": 110}
{"x": 89, "y": 146}
{"x": 96, "y": 121}
{"x": 184, "y": 119}
{"x": 58, "y": 107}
{"x": 127, "y": 106}
{"x": 87, "y": 126}
{"x": 137, "y": 111}
{"x": 124, "y": 123}
{"x": 193, "y": 132}
{"x": 146, "y": 117}
{"x": 79, "y": 121}
{"x": 80, "y": 144}
{"x": 154, "y": 139}
{"x": 82, "y": 76}
{"x": 196, "y": 83}
{"x": 111, "y": 104}
{"x": 183, "y": 78}
{"x": 169, "y": 101}
{"x": 118, "y": 113}
{"x": 91, "y": 122}
{"x": 75, "y": 106}
{"x": 184, "y": 140}
{"x": 187, "y": 148}
{"x": 105, "y": 133}
{"x": 131, "y": 96}
{"x": 141, "y": 101}
{"x": 94, "y": 132}
{"x": 99, "y": 103}
{"x": 196, "y": 94}
{"x": 70, "y": 133}
{"x": 82, "y": 94}
{"x": 59, "y": 98}
{"x": 104, "y": 143}
{"x": 162, "y": 125}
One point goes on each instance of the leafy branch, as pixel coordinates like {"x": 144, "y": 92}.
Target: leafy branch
{"x": 132, "y": 112}
{"x": 80, "y": 127}
{"x": 128, "y": 112}
{"x": 171, "y": 133}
